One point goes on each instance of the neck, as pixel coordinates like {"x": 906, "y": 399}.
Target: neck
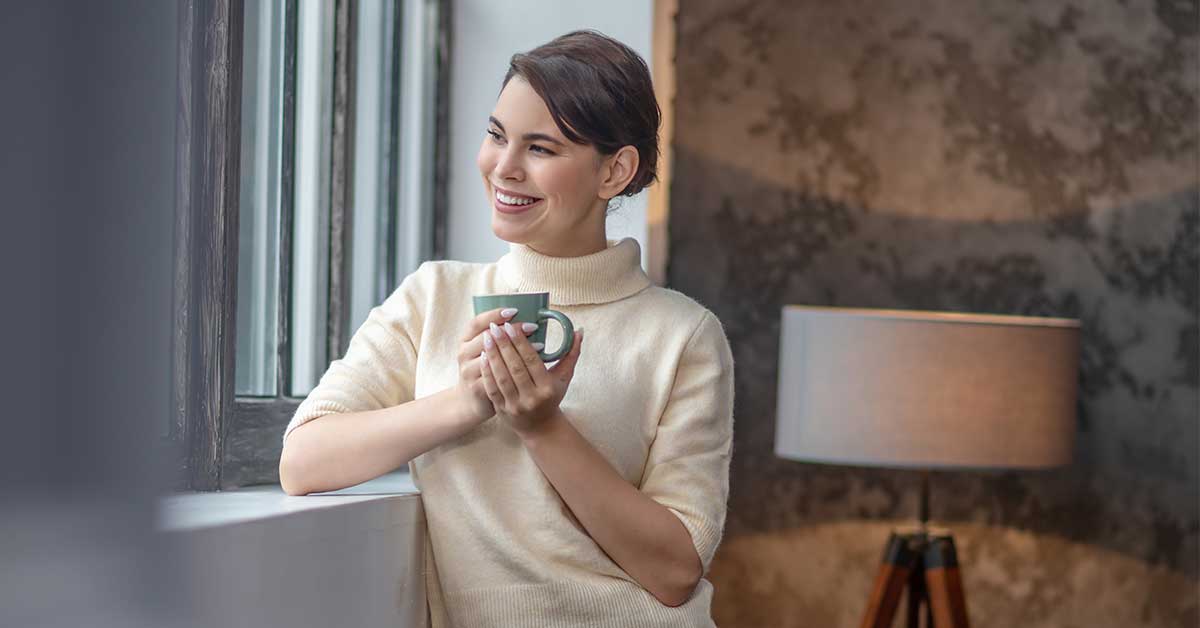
{"x": 591, "y": 239}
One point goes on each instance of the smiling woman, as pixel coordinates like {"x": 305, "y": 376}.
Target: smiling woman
{"x": 575, "y": 125}
{"x": 588, "y": 492}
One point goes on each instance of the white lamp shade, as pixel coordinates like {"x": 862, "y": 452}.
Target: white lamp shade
{"x": 926, "y": 390}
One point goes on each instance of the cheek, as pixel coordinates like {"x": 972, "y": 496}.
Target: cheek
{"x": 486, "y": 159}
{"x": 562, "y": 180}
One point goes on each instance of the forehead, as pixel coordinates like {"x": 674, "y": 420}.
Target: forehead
{"x": 521, "y": 110}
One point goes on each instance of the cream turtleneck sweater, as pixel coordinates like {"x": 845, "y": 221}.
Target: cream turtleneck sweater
{"x": 652, "y": 392}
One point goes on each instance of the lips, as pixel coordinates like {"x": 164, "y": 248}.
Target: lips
{"x": 501, "y": 201}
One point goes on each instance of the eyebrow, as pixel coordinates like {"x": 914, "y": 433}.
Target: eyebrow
{"x": 528, "y": 137}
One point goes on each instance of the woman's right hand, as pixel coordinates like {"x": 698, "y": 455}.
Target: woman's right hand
{"x": 477, "y": 408}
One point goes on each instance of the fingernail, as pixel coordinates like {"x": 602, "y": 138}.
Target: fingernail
{"x": 483, "y": 356}
{"x": 508, "y": 312}
{"x": 495, "y": 330}
{"x": 538, "y": 346}
{"x": 529, "y": 327}
{"x": 488, "y": 342}
{"x": 512, "y": 331}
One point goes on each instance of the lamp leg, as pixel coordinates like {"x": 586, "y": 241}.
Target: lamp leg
{"x": 917, "y": 595}
{"x": 893, "y": 576}
{"x": 947, "y": 601}
{"x": 923, "y": 504}
{"x": 927, "y": 566}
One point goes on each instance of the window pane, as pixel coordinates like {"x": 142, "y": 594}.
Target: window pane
{"x": 370, "y": 279}
{"x": 258, "y": 226}
{"x": 310, "y": 255}
{"x": 394, "y": 115}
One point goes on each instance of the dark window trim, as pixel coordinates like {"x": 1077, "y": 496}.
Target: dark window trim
{"x": 388, "y": 279}
{"x": 341, "y": 223}
{"x": 207, "y": 177}
{"x": 220, "y": 440}
{"x": 174, "y": 444}
{"x": 441, "y": 130}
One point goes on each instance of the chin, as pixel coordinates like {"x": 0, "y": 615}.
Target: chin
{"x": 509, "y": 232}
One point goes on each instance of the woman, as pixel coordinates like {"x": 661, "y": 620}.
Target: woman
{"x": 590, "y": 492}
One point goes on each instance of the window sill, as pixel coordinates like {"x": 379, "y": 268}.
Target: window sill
{"x": 186, "y": 511}
{"x": 257, "y": 556}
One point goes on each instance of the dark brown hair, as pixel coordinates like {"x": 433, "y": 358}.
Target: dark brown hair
{"x": 598, "y": 91}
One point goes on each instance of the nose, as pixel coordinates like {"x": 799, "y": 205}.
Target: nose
{"x": 508, "y": 164}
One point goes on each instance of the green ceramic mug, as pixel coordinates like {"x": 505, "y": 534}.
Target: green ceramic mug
{"x": 532, "y": 307}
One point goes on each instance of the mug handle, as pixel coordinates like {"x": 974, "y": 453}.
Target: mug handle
{"x": 568, "y": 339}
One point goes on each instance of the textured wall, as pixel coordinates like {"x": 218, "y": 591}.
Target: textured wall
{"x": 1031, "y": 158}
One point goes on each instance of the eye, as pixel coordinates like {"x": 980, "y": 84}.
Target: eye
{"x": 496, "y": 137}
{"x": 538, "y": 149}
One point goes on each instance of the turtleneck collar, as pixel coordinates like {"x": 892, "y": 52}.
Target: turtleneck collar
{"x": 601, "y": 277}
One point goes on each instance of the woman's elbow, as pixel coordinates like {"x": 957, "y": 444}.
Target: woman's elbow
{"x": 289, "y": 473}
{"x": 679, "y": 595}
{"x": 290, "y": 488}
{"x": 685, "y": 583}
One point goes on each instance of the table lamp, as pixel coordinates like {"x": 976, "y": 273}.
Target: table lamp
{"x": 926, "y": 391}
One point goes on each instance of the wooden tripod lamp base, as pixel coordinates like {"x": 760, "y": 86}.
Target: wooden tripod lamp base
{"x": 927, "y": 565}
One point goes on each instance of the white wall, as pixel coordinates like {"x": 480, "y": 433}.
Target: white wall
{"x": 254, "y": 557}
{"x": 486, "y": 34}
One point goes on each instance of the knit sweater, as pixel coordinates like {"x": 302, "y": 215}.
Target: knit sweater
{"x": 652, "y": 392}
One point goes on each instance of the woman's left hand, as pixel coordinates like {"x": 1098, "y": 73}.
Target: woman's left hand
{"x": 523, "y": 390}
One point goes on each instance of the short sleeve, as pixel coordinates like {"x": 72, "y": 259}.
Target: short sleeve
{"x": 378, "y": 369}
{"x": 687, "y": 469}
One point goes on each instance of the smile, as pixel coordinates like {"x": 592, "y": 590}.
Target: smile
{"x": 514, "y": 200}
{"x": 513, "y": 203}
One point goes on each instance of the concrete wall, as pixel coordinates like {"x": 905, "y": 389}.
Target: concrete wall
{"x": 254, "y": 557}
{"x": 1031, "y": 158}
{"x": 486, "y": 35}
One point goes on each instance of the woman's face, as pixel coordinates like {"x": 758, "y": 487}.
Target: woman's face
{"x": 545, "y": 190}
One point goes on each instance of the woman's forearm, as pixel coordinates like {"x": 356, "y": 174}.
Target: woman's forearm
{"x": 343, "y": 449}
{"x": 641, "y": 535}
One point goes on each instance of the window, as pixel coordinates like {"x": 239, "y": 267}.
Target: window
{"x": 307, "y": 188}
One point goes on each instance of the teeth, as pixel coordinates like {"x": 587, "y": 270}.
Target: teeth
{"x": 511, "y": 200}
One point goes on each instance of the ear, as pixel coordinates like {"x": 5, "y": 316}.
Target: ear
{"x": 617, "y": 171}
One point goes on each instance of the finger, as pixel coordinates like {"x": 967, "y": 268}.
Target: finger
{"x": 471, "y": 349}
{"x": 471, "y": 370}
{"x": 516, "y": 366}
{"x": 489, "y": 382}
{"x": 530, "y": 359}
{"x": 499, "y": 369}
{"x": 565, "y": 368}
{"x": 481, "y": 322}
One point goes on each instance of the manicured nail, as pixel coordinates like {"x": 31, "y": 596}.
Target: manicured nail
{"x": 488, "y": 342}
{"x": 538, "y": 346}
{"x": 512, "y": 331}
{"x": 496, "y": 331}
{"x": 529, "y": 327}
{"x": 508, "y": 312}
{"x": 483, "y": 356}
